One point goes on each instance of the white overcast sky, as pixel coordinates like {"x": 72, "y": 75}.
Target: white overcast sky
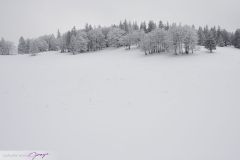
{"x": 32, "y": 18}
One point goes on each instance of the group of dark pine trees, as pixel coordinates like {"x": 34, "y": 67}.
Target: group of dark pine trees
{"x": 210, "y": 38}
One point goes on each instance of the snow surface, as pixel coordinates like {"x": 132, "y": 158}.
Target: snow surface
{"x": 122, "y": 105}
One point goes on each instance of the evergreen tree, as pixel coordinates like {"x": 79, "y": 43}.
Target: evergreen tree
{"x": 74, "y": 31}
{"x": 160, "y": 25}
{"x": 73, "y": 43}
{"x": 143, "y": 27}
{"x": 135, "y": 26}
{"x": 58, "y": 34}
{"x": 121, "y": 26}
{"x": 210, "y": 42}
{"x": 220, "y": 41}
{"x": 81, "y": 43}
{"x": 205, "y": 32}
{"x": 58, "y": 40}
{"x": 226, "y": 37}
{"x": 88, "y": 27}
{"x": 63, "y": 43}
{"x": 236, "y": 39}
{"x": 126, "y": 26}
{"x": 151, "y": 26}
{"x": 27, "y": 45}
{"x": 22, "y": 46}
{"x": 201, "y": 36}
{"x": 166, "y": 27}
{"x": 219, "y": 36}
{"x": 214, "y": 33}
{"x": 68, "y": 41}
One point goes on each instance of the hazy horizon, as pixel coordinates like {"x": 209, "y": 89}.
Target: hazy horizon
{"x": 32, "y": 18}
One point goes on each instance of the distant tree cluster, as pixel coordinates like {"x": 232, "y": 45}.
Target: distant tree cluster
{"x": 221, "y": 37}
{"x": 6, "y": 47}
{"x": 151, "y": 37}
{"x": 177, "y": 38}
{"x": 40, "y": 44}
{"x": 210, "y": 38}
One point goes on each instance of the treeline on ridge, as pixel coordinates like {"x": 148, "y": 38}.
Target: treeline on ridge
{"x": 150, "y": 37}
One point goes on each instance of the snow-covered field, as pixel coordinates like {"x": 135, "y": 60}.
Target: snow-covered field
{"x": 121, "y": 105}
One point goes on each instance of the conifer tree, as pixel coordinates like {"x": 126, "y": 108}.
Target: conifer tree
{"x": 58, "y": 34}
{"x": 151, "y": 26}
{"x": 201, "y": 37}
{"x": 143, "y": 27}
{"x": 22, "y": 46}
{"x": 210, "y": 42}
{"x": 236, "y": 39}
{"x": 220, "y": 41}
{"x": 160, "y": 25}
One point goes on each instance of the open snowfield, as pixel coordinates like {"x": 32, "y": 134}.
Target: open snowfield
{"x": 122, "y": 105}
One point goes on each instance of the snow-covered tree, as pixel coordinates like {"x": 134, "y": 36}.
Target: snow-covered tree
{"x": 22, "y": 48}
{"x": 105, "y": 31}
{"x": 73, "y": 43}
{"x": 6, "y": 47}
{"x": 88, "y": 27}
{"x": 166, "y": 27}
{"x": 135, "y": 26}
{"x": 159, "y": 40}
{"x": 41, "y": 45}
{"x": 145, "y": 44}
{"x": 58, "y": 34}
{"x": 63, "y": 43}
{"x": 126, "y": 26}
{"x": 160, "y": 25}
{"x": 51, "y": 42}
{"x": 79, "y": 43}
{"x": 176, "y": 38}
{"x": 236, "y": 39}
{"x": 27, "y": 45}
{"x": 58, "y": 40}
{"x": 143, "y": 27}
{"x": 96, "y": 39}
{"x": 220, "y": 41}
{"x": 151, "y": 26}
{"x": 210, "y": 42}
{"x": 201, "y": 36}
{"x": 190, "y": 39}
{"x": 226, "y": 37}
{"x": 132, "y": 38}
{"x": 214, "y": 33}
{"x": 33, "y": 47}
{"x": 115, "y": 37}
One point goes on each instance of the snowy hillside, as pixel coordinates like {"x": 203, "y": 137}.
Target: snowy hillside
{"x": 122, "y": 105}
